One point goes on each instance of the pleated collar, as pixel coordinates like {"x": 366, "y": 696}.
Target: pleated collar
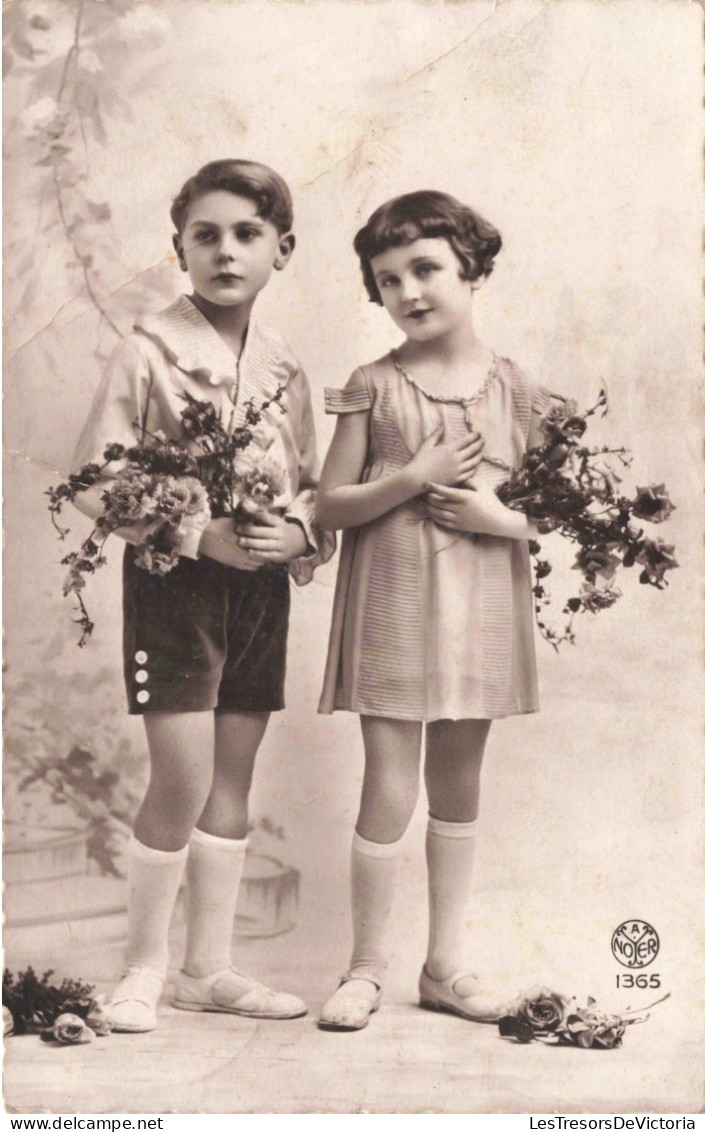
{"x": 192, "y": 344}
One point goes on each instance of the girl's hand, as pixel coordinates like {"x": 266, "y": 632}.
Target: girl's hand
{"x": 220, "y": 542}
{"x": 272, "y": 539}
{"x": 448, "y": 463}
{"x": 477, "y": 510}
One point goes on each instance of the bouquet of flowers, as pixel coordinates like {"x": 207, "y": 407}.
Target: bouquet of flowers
{"x": 545, "y": 1016}
{"x": 573, "y": 489}
{"x": 171, "y": 486}
{"x": 67, "y": 1013}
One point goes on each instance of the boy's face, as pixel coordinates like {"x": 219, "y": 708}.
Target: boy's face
{"x": 228, "y": 250}
{"x": 422, "y": 289}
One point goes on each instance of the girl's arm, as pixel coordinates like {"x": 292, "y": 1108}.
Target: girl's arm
{"x": 345, "y": 502}
{"x": 476, "y": 509}
{"x": 342, "y": 500}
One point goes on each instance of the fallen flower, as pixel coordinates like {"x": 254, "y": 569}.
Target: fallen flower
{"x": 545, "y": 1016}
{"x": 71, "y": 1030}
{"x": 98, "y": 1018}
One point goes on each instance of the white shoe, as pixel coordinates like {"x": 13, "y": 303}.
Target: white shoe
{"x": 472, "y": 1001}
{"x": 348, "y": 1010}
{"x": 231, "y": 992}
{"x": 133, "y": 1006}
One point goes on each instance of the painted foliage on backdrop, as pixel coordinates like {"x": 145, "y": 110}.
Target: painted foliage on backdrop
{"x": 70, "y": 69}
{"x": 69, "y": 72}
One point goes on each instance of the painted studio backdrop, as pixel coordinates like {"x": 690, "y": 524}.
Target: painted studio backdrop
{"x": 574, "y": 127}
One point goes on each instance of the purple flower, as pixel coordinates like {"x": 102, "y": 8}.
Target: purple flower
{"x": 652, "y": 503}
{"x": 596, "y": 561}
{"x": 114, "y": 452}
{"x": 186, "y": 495}
{"x": 260, "y": 484}
{"x": 656, "y": 557}
{"x": 562, "y": 423}
{"x": 595, "y": 598}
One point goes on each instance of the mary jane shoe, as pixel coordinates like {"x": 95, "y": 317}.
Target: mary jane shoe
{"x": 475, "y": 1004}
{"x": 132, "y": 1008}
{"x": 231, "y": 992}
{"x": 346, "y": 1010}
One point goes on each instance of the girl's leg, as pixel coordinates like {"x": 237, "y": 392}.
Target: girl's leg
{"x": 454, "y": 752}
{"x": 214, "y": 870}
{"x": 389, "y": 794}
{"x": 181, "y": 758}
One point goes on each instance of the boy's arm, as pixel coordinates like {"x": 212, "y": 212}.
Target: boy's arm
{"x": 121, "y": 402}
{"x": 302, "y": 511}
{"x": 218, "y": 539}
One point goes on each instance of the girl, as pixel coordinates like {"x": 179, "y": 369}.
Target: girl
{"x": 432, "y": 620}
{"x": 205, "y": 646}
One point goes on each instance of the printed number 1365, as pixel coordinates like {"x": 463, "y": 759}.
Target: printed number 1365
{"x": 642, "y": 981}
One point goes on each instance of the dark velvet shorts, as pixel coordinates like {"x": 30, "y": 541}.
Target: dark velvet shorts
{"x": 204, "y": 637}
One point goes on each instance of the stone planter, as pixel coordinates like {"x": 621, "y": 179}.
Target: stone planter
{"x": 34, "y": 853}
{"x": 48, "y": 882}
{"x": 269, "y": 897}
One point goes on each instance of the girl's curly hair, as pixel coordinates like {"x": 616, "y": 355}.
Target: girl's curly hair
{"x": 428, "y": 215}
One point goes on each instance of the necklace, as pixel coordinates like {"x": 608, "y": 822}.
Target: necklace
{"x": 466, "y": 402}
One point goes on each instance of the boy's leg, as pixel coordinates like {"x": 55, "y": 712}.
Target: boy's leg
{"x": 218, "y": 844}
{"x": 208, "y": 980}
{"x": 181, "y": 758}
{"x": 389, "y": 793}
{"x": 454, "y": 753}
{"x": 181, "y": 753}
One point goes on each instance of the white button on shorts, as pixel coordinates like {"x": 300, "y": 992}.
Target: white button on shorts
{"x": 141, "y": 676}
{"x": 142, "y": 696}
{"x": 141, "y": 657}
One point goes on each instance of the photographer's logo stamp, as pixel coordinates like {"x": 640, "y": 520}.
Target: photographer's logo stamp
{"x": 635, "y": 943}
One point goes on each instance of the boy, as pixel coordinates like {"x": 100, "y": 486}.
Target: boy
{"x": 204, "y": 646}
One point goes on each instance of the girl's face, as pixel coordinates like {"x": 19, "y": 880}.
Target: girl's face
{"x": 422, "y": 290}
{"x": 228, "y": 250}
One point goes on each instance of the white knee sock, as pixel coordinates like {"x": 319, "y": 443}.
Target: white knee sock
{"x": 213, "y": 875}
{"x": 154, "y": 876}
{"x": 450, "y": 855}
{"x": 373, "y": 882}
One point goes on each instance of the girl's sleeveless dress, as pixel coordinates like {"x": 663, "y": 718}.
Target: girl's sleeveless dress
{"x": 430, "y": 623}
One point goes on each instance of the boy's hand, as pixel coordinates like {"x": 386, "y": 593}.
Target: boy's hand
{"x": 446, "y": 462}
{"x": 220, "y": 542}
{"x": 477, "y": 510}
{"x": 272, "y": 539}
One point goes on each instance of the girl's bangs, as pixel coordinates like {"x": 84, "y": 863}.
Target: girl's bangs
{"x": 394, "y": 234}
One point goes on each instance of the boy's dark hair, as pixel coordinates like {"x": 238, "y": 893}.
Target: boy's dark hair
{"x": 427, "y": 215}
{"x": 248, "y": 179}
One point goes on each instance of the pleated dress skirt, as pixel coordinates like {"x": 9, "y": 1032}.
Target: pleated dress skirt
{"x": 430, "y": 623}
